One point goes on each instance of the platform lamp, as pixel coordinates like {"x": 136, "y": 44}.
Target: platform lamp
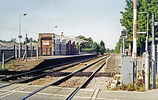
{"x": 20, "y": 36}
{"x": 123, "y": 34}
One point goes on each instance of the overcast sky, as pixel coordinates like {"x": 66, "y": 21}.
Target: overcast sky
{"x": 98, "y": 19}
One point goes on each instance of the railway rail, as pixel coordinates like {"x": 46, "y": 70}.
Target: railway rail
{"x": 100, "y": 63}
{"x": 32, "y": 75}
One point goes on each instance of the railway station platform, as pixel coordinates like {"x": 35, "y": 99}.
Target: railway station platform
{"x": 23, "y": 65}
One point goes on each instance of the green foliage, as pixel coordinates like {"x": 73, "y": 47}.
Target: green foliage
{"x": 91, "y": 46}
{"x": 87, "y": 44}
{"x": 6, "y": 65}
{"x": 29, "y": 40}
{"x": 130, "y": 87}
{"x": 102, "y": 47}
{"x": 13, "y": 40}
{"x": 142, "y": 88}
{"x": 95, "y": 47}
{"x": 150, "y": 6}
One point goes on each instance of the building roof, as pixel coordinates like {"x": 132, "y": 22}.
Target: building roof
{"x": 35, "y": 44}
{"x": 6, "y": 45}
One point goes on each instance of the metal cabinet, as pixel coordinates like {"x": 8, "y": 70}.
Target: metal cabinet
{"x": 127, "y": 70}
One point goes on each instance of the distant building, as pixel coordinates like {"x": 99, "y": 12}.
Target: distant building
{"x": 52, "y": 44}
{"x": 6, "y": 45}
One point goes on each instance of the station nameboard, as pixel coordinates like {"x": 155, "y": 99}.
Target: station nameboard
{"x": 45, "y": 42}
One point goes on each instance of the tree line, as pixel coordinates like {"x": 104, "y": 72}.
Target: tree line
{"x": 91, "y": 46}
{"x": 88, "y": 46}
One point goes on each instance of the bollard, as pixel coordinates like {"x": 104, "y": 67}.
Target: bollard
{"x": 3, "y": 61}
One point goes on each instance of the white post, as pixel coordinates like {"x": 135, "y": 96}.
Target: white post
{"x": 3, "y": 61}
{"x": 15, "y": 51}
{"x": 19, "y": 35}
{"x": 31, "y": 46}
{"x": 20, "y": 32}
{"x": 147, "y": 73}
{"x": 37, "y": 52}
{"x": 79, "y": 48}
{"x": 135, "y": 31}
{"x": 26, "y": 48}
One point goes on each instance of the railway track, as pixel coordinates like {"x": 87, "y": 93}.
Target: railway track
{"x": 39, "y": 73}
{"x": 99, "y": 64}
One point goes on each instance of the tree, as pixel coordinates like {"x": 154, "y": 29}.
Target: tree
{"x": 150, "y": 6}
{"x": 102, "y": 47}
{"x": 13, "y": 40}
{"x": 95, "y": 47}
{"x": 29, "y": 40}
{"x": 86, "y": 45}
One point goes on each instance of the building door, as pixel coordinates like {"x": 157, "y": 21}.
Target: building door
{"x": 46, "y": 46}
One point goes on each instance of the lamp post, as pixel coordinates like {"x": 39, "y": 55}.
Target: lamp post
{"x": 20, "y": 36}
{"x": 147, "y": 74}
{"x": 123, "y": 33}
{"x": 53, "y": 42}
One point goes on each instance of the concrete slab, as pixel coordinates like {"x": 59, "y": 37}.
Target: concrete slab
{"x": 126, "y": 95}
{"x": 30, "y": 88}
{"x": 14, "y": 96}
{"x": 51, "y": 90}
{"x": 3, "y": 83}
{"x": 65, "y": 91}
{"x": 40, "y": 97}
{"x": 85, "y": 93}
{"x": 2, "y": 92}
{"x": 11, "y": 87}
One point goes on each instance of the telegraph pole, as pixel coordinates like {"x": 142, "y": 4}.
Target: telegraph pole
{"x": 153, "y": 51}
{"x": 26, "y": 47}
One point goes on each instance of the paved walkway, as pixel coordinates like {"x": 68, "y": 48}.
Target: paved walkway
{"x": 18, "y": 91}
{"x": 31, "y": 62}
{"x": 126, "y": 95}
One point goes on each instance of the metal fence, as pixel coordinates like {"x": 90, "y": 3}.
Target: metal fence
{"x": 14, "y": 53}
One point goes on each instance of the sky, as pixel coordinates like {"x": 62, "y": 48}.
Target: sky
{"x": 98, "y": 19}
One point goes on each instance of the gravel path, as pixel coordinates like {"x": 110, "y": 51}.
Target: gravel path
{"x": 74, "y": 82}
{"x": 100, "y": 83}
{"x": 82, "y": 65}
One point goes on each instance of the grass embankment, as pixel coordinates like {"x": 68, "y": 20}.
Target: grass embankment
{"x": 7, "y": 65}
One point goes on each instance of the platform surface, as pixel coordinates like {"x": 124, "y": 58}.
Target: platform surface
{"x": 18, "y": 91}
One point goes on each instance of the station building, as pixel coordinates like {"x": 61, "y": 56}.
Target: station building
{"x": 53, "y": 44}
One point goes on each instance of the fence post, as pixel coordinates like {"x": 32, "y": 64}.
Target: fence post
{"x": 46, "y": 50}
{"x": 1, "y": 54}
{"x": 37, "y": 52}
{"x": 3, "y": 61}
{"x": 20, "y": 50}
{"x": 33, "y": 50}
{"x": 41, "y": 51}
{"x": 14, "y": 51}
{"x": 50, "y": 51}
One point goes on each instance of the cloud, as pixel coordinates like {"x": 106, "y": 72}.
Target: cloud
{"x": 49, "y": 5}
